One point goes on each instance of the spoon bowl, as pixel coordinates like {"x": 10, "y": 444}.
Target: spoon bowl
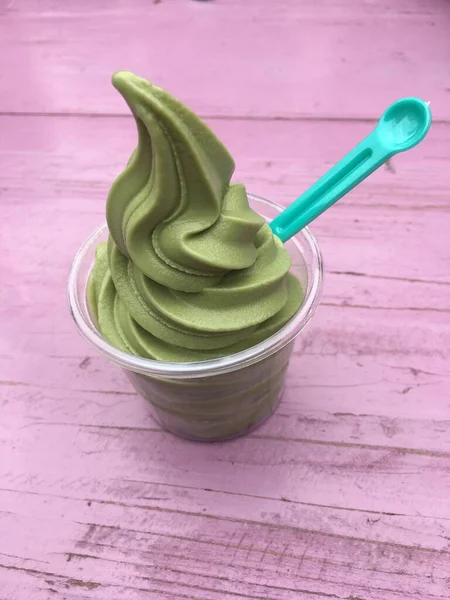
{"x": 404, "y": 124}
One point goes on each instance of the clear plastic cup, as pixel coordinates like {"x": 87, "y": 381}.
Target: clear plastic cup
{"x": 215, "y": 399}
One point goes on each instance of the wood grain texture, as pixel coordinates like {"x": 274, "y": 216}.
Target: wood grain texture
{"x": 344, "y": 493}
{"x": 257, "y": 59}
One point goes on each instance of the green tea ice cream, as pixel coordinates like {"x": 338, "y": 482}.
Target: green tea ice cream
{"x": 190, "y": 271}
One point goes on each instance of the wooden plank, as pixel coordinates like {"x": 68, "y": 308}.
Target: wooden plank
{"x": 150, "y": 508}
{"x": 228, "y": 559}
{"x": 127, "y": 533}
{"x": 296, "y": 476}
{"x": 258, "y": 61}
{"x": 342, "y": 8}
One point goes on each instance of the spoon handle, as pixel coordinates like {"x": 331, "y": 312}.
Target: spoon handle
{"x": 360, "y": 162}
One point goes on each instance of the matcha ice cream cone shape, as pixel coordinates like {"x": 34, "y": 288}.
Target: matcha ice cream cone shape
{"x": 190, "y": 272}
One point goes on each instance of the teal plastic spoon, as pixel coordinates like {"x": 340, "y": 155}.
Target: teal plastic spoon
{"x": 401, "y": 127}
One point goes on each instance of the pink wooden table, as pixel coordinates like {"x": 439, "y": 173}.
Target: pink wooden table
{"x": 345, "y": 493}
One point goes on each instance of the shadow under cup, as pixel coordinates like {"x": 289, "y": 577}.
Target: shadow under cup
{"x": 215, "y": 399}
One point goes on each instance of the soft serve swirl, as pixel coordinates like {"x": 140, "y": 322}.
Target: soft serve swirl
{"x": 189, "y": 272}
